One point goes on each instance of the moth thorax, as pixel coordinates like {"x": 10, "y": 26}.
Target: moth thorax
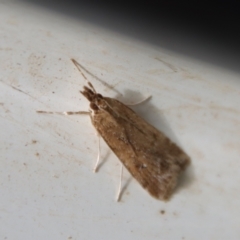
{"x": 94, "y": 106}
{"x": 101, "y": 103}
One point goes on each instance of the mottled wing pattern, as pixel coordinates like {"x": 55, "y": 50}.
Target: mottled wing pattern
{"x": 148, "y": 154}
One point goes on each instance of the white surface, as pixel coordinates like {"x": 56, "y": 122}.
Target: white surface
{"x": 47, "y": 187}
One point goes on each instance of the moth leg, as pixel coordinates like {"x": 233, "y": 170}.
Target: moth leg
{"x": 65, "y": 113}
{"x": 140, "y": 102}
{"x": 120, "y": 185}
{"x": 98, "y": 157}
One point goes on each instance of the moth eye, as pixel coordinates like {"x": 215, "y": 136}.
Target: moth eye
{"x": 99, "y": 95}
{"x": 93, "y": 106}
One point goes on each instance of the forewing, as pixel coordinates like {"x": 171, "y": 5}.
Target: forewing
{"x": 147, "y": 153}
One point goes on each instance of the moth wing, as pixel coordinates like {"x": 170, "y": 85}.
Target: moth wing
{"x": 152, "y": 159}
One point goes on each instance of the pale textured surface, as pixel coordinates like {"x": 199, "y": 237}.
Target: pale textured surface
{"x": 47, "y": 187}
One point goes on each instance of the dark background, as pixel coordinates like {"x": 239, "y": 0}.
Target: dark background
{"x": 205, "y": 30}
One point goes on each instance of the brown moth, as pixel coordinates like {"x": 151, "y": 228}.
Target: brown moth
{"x": 151, "y": 157}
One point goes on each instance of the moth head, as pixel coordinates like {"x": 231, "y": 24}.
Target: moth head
{"x": 90, "y": 93}
{"x": 96, "y": 100}
{"x": 94, "y": 107}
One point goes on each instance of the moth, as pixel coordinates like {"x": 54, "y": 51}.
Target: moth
{"x": 151, "y": 157}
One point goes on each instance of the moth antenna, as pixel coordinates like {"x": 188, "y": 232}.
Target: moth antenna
{"x": 120, "y": 185}
{"x": 98, "y": 157}
{"x": 78, "y": 67}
